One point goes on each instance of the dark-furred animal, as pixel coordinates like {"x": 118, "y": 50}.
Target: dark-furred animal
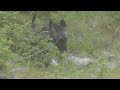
{"x": 58, "y": 33}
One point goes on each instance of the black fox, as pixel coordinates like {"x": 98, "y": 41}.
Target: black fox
{"x": 58, "y": 33}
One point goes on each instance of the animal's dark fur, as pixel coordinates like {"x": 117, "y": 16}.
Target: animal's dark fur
{"x": 59, "y": 34}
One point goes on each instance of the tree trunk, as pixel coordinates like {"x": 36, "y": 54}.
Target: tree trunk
{"x": 33, "y": 19}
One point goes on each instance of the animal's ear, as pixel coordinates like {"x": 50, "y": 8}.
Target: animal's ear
{"x": 62, "y": 23}
{"x": 51, "y": 24}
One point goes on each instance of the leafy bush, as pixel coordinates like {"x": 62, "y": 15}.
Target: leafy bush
{"x": 21, "y": 40}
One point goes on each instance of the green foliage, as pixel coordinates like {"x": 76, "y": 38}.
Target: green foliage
{"x": 114, "y": 15}
{"x": 89, "y": 33}
{"x": 3, "y": 65}
{"x": 26, "y": 42}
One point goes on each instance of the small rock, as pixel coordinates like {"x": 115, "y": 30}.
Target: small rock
{"x": 80, "y": 61}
